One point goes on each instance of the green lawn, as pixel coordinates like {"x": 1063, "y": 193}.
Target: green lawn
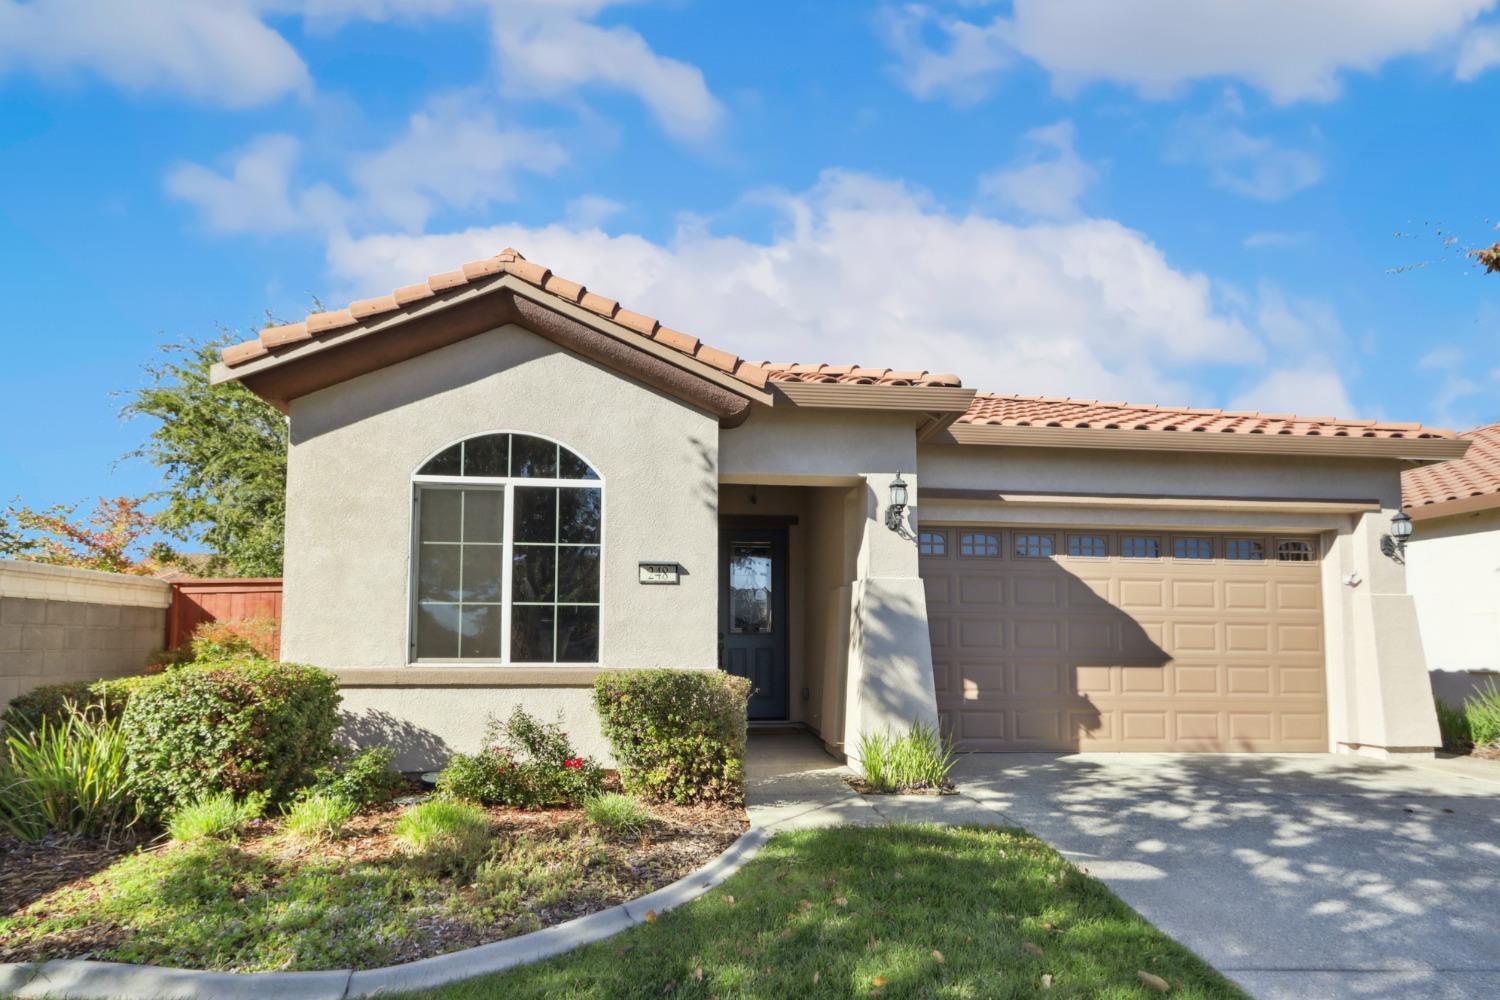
{"x": 900, "y": 911}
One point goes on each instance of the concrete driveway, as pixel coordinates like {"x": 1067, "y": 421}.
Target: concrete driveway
{"x": 1297, "y": 876}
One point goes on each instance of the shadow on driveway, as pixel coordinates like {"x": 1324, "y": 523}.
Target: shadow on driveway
{"x": 1298, "y": 876}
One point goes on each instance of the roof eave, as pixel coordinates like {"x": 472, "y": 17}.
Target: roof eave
{"x": 1459, "y": 505}
{"x": 438, "y": 304}
{"x": 1409, "y": 449}
{"x": 845, "y": 396}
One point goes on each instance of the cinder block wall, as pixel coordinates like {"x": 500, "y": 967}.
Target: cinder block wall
{"x": 61, "y": 624}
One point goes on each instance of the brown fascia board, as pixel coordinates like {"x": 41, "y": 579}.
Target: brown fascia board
{"x": 1414, "y": 449}
{"x": 931, "y": 399}
{"x": 1449, "y": 508}
{"x": 355, "y": 351}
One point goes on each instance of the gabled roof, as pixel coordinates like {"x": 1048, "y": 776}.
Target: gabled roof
{"x": 507, "y": 261}
{"x": 1048, "y": 411}
{"x": 1470, "y": 483}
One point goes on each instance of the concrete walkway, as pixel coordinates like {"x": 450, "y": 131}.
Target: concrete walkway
{"x": 1297, "y": 876}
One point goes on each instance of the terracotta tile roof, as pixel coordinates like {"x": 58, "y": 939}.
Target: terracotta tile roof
{"x": 1043, "y": 411}
{"x": 510, "y": 262}
{"x": 854, "y": 375}
{"x": 1477, "y": 474}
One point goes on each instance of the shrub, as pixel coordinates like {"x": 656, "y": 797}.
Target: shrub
{"x": 524, "y": 763}
{"x": 1454, "y": 726}
{"x": 217, "y": 816}
{"x": 445, "y": 835}
{"x": 679, "y": 735}
{"x": 617, "y": 813}
{"x": 318, "y": 817}
{"x": 1482, "y": 712}
{"x": 368, "y": 778}
{"x": 241, "y": 727}
{"x": 919, "y": 760}
{"x": 52, "y": 701}
{"x": 234, "y": 639}
{"x": 68, "y": 777}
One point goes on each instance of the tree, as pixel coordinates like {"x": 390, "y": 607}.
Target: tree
{"x": 113, "y": 538}
{"x": 222, "y": 452}
{"x": 1489, "y": 258}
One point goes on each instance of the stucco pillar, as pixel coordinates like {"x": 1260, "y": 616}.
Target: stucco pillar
{"x": 1389, "y": 706}
{"x": 890, "y": 657}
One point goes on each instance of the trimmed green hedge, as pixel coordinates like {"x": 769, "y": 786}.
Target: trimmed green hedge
{"x": 243, "y": 726}
{"x": 679, "y": 735}
{"x": 50, "y": 701}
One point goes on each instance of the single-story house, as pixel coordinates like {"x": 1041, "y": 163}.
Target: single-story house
{"x": 1453, "y": 564}
{"x": 501, "y": 483}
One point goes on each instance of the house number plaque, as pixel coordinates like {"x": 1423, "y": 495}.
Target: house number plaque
{"x": 658, "y": 572}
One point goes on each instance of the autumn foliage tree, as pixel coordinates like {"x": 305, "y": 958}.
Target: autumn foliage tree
{"x": 114, "y": 537}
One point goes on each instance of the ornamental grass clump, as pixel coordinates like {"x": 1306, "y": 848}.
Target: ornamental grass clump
{"x": 68, "y": 776}
{"x": 318, "y": 818}
{"x": 214, "y": 817}
{"x": 1482, "y": 712}
{"x": 918, "y": 761}
{"x": 617, "y": 813}
{"x": 445, "y": 836}
{"x": 525, "y": 763}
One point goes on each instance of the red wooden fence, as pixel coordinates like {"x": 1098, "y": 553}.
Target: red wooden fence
{"x": 197, "y": 601}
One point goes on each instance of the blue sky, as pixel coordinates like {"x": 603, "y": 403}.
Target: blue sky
{"x": 1159, "y": 201}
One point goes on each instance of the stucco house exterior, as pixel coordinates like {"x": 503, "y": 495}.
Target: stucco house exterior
{"x": 1453, "y": 564}
{"x": 501, "y": 483}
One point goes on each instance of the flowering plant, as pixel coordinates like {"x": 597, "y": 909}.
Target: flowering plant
{"x": 525, "y": 763}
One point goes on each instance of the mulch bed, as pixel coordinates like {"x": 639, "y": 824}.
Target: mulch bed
{"x": 680, "y": 840}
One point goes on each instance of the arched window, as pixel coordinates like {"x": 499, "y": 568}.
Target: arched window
{"x": 508, "y": 532}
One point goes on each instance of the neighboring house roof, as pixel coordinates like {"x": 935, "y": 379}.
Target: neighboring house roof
{"x": 1044, "y": 411}
{"x": 1470, "y": 483}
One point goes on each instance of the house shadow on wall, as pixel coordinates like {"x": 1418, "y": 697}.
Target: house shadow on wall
{"x": 373, "y": 727}
{"x": 1027, "y": 649}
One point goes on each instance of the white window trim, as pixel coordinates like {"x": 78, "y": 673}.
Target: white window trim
{"x": 508, "y": 485}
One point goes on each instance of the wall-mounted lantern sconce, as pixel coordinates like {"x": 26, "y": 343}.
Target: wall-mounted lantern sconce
{"x": 898, "y": 504}
{"x": 1394, "y": 544}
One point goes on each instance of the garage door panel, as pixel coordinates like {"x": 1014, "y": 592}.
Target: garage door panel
{"x": 1108, "y": 653}
{"x": 938, "y": 589}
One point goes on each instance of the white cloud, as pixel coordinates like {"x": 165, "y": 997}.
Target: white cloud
{"x": 1271, "y": 239}
{"x": 1314, "y": 388}
{"x": 1291, "y": 50}
{"x": 218, "y": 52}
{"x": 1248, "y": 165}
{"x": 452, "y": 156}
{"x": 255, "y": 196}
{"x": 963, "y": 69}
{"x": 448, "y": 157}
{"x": 590, "y": 211}
{"x": 1049, "y": 178}
{"x": 871, "y": 271}
{"x": 1479, "y": 53}
{"x": 550, "y": 50}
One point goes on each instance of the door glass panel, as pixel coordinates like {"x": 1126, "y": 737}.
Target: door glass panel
{"x": 750, "y": 587}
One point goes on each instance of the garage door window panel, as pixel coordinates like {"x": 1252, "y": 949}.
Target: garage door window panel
{"x": 1140, "y": 547}
{"x": 1192, "y": 547}
{"x": 1088, "y": 546}
{"x": 932, "y": 543}
{"x": 1244, "y": 550}
{"x": 1028, "y": 545}
{"x": 979, "y": 545}
{"x": 1294, "y": 550}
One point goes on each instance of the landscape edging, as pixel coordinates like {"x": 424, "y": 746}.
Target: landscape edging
{"x": 82, "y": 979}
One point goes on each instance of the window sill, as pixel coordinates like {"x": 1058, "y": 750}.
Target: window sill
{"x": 433, "y": 675}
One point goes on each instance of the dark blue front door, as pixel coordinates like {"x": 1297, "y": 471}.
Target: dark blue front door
{"x": 752, "y": 615}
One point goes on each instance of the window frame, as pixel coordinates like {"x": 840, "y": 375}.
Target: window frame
{"x": 1018, "y": 536}
{"x": 940, "y": 535}
{"x": 507, "y": 485}
{"x": 1157, "y": 537}
{"x": 1092, "y": 536}
{"x": 979, "y": 538}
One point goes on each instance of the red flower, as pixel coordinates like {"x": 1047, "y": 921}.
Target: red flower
{"x": 573, "y": 762}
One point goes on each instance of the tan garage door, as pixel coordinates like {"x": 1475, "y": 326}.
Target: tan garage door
{"x": 1046, "y": 639}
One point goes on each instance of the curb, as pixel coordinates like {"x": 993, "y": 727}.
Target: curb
{"x": 80, "y": 979}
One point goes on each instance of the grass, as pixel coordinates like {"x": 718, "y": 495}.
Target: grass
{"x": 1482, "y": 710}
{"x": 918, "y": 760}
{"x": 445, "y": 835}
{"x": 366, "y": 900}
{"x": 216, "y": 816}
{"x": 67, "y": 777}
{"x": 902, "y": 911}
{"x": 1453, "y": 724}
{"x": 617, "y": 813}
{"x": 318, "y": 818}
